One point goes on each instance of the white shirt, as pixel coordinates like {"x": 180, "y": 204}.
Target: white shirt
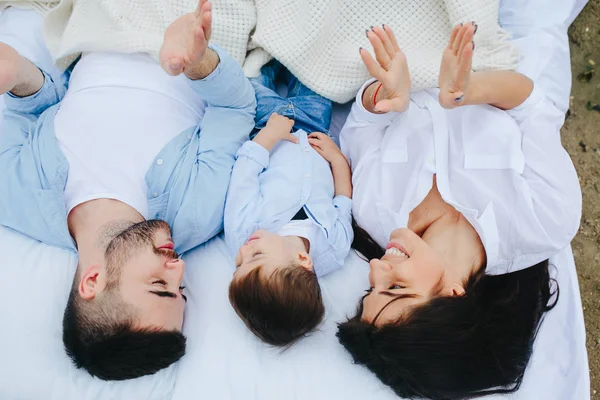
{"x": 505, "y": 171}
{"x": 118, "y": 114}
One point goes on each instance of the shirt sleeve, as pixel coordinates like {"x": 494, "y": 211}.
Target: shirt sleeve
{"x": 363, "y": 132}
{"x": 244, "y": 198}
{"x": 342, "y": 233}
{"x": 27, "y": 196}
{"x": 227, "y": 123}
{"x": 549, "y": 172}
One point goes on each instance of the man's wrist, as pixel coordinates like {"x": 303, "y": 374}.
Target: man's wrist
{"x": 209, "y": 63}
{"x": 30, "y": 78}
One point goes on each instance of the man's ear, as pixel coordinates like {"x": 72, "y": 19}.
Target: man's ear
{"x": 92, "y": 282}
{"x": 305, "y": 261}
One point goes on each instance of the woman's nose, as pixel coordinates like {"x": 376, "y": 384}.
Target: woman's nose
{"x": 379, "y": 266}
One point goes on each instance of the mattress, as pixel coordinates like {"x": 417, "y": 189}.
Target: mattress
{"x": 224, "y": 360}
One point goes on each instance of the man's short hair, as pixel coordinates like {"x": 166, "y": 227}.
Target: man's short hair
{"x": 281, "y": 308}
{"x": 100, "y": 336}
{"x": 458, "y": 347}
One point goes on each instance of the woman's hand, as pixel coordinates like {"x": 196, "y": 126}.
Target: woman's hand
{"x": 278, "y": 128}
{"x": 392, "y": 91}
{"x": 455, "y": 71}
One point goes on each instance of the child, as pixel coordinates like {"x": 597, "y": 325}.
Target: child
{"x": 287, "y": 213}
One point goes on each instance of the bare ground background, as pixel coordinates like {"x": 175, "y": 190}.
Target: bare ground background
{"x": 581, "y": 138}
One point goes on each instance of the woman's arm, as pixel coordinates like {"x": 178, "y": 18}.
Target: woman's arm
{"x": 502, "y": 89}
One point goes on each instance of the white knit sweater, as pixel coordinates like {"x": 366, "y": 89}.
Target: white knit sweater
{"x": 318, "y": 40}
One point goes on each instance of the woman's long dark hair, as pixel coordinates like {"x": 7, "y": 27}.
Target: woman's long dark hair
{"x": 456, "y": 347}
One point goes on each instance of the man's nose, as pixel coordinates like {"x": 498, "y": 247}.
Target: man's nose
{"x": 176, "y": 266}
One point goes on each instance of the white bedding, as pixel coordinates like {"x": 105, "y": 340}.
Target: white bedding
{"x": 225, "y": 361}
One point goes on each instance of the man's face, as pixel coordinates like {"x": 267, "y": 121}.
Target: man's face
{"x": 148, "y": 274}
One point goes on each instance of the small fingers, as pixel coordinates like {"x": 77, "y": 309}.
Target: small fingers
{"x": 317, "y": 135}
{"x": 383, "y": 58}
{"x": 314, "y": 143}
{"x": 292, "y": 138}
{"x": 372, "y": 66}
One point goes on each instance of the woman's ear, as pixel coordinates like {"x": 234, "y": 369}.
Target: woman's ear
{"x": 455, "y": 290}
{"x": 305, "y": 261}
{"x": 91, "y": 282}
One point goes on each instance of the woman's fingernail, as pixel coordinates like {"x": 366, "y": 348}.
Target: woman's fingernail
{"x": 458, "y": 100}
{"x": 461, "y": 24}
{"x": 473, "y": 45}
{"x": 367, "y": 32}
{"x": 383, "y": 26}
{"x": 360, "y": 49}
{"x": 372, "y": 27}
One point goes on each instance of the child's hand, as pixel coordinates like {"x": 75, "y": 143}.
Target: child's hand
{"x": 326, "y": 147}
{"x": 455, "y": 70}
{"x": 278, "y": 128}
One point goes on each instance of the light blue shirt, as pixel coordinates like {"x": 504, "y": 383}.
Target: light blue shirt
{"x": 267, "y": 190}
{"x": 187, "y": 190}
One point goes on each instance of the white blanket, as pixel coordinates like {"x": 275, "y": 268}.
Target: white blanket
{"x": 225, "y": 361}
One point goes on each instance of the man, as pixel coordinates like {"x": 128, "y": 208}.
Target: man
{"x": 107, "y": 167}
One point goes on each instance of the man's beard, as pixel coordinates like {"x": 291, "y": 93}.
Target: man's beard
{"x": 131, "y": 241}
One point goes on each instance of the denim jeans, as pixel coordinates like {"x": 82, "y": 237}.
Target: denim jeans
{"x": 310, "y": 111}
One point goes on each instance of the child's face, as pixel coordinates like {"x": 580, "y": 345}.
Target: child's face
{"x": 270, "y": 252}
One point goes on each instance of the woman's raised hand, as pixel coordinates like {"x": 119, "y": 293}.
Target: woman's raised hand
{"x": 455, "y": 70}
{"x": 390, "y": 68}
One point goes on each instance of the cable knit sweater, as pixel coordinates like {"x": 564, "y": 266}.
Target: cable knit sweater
{"x": 317, "y": 40}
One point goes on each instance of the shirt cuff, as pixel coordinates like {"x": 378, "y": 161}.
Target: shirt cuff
{"x": 254, "y": 152}
{"x": 224, "y": 81}
{"x": 38, "y": 102}
{"x": 343, "y": 203}
{"x": 363, "y": 114}
{"x": 524, "y": 109}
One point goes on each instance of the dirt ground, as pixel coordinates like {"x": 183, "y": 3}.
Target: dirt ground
{"x": 581, "y": 138}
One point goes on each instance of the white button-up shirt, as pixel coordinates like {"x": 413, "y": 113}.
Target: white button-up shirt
{"x": 505, "y": 171}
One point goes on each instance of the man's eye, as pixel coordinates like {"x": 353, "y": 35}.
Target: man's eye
{"x": 396, "y": 287}
{"x": 256, "y": 253}
{"x": 159, "y": 282}
{"x": 369, "y": 290}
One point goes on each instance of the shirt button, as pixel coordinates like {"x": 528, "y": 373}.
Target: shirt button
{"x": 160, "y": 161}
{"x": 306, "y": 149}
{"x": 307, "y": 176}
{"x": 155, "y": 195}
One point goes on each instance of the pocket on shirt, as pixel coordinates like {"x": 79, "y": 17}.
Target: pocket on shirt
{"x": 394, "y": 148}
{"x": 491, "y": 140}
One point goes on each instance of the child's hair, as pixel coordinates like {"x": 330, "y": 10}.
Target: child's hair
{"x": 281, "y": 308}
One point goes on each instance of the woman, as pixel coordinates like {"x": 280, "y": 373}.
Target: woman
{"x": 470, "y": 192}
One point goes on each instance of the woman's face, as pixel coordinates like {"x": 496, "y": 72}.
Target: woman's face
{"x": 409, "y": 274}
